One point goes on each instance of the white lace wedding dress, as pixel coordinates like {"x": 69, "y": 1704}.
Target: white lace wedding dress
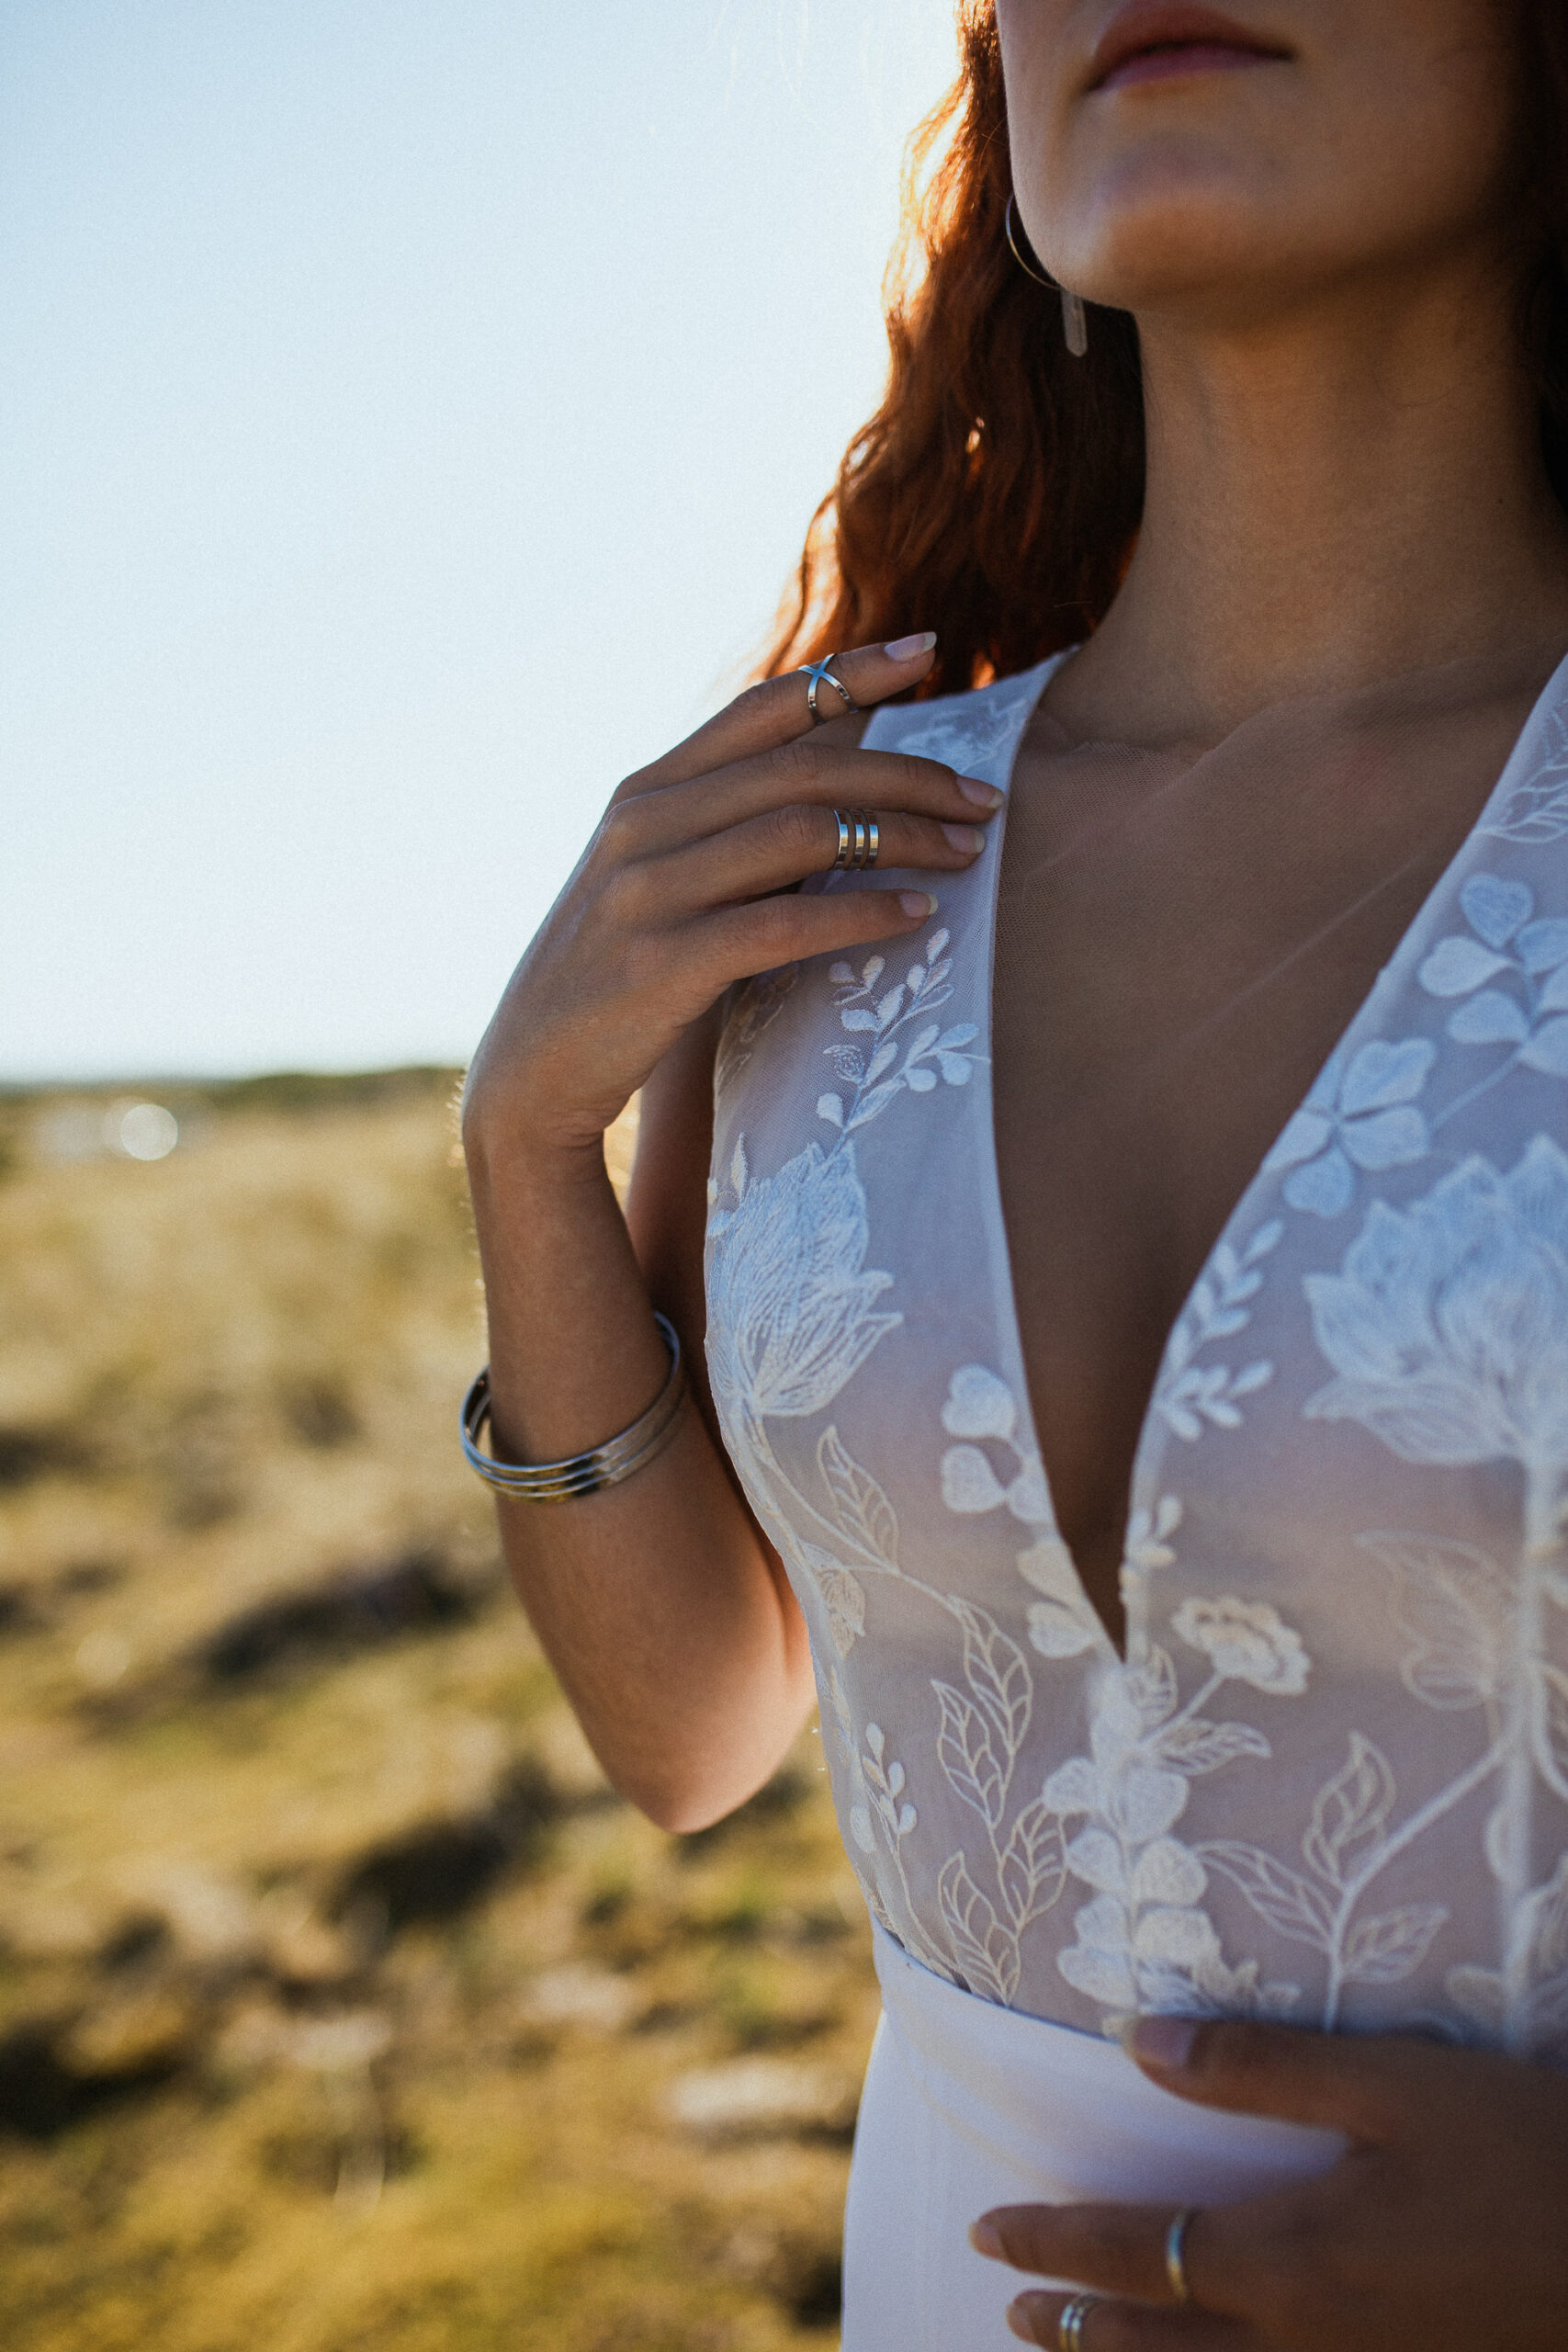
{"x": 1328, "y": 1782}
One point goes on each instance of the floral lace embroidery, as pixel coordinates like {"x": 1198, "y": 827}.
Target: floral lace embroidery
{"x": 1445, "y": 1330}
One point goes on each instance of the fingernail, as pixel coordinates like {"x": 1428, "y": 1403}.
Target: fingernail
{"x": 916, "y": 902}
{"x": 984, "y": 796}
{"x": 969, "y": 839}
{"x": 1019, "y": 2320}
{"x": 909, "y": 649}
{"x": 1165, "y": 2043}
{"x": 984, "y": 2240}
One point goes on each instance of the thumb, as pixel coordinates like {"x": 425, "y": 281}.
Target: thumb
{"x": 1347, "y": 2083}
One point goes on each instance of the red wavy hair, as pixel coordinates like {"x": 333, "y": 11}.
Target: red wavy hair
{"x": 996, "y": 495}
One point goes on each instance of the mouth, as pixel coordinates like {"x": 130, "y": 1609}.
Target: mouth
{"x": 1149, "y": 42}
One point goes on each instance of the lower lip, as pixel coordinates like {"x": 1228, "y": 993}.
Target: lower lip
{"x": 1167, "y": 64}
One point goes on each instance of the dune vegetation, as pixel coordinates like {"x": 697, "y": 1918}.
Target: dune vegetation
{"x": 342, "y": 2004}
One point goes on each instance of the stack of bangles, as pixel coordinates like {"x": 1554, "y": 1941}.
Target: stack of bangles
{"x": 580, "y": 1474}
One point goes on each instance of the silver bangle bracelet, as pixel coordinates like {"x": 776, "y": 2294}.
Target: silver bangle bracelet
{"x": 580, "y": 1474}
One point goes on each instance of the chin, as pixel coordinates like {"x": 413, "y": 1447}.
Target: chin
{"x": 1168, "y": 229}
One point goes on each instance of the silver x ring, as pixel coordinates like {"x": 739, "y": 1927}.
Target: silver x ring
{"x": 815, "y": 672}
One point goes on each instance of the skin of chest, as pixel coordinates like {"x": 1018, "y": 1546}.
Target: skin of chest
{"x": 1183, "y": 934}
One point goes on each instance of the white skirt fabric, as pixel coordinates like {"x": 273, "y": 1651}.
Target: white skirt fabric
{"x": 967, "y": 2106}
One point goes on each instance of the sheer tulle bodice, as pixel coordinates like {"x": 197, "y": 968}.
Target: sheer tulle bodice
{"x": 1329, "y": 1779}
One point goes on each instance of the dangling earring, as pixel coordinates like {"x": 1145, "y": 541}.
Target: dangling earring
{"x": 1075, "y": 325}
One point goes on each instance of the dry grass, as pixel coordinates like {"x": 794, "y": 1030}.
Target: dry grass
{"x": 341, "y": 2004}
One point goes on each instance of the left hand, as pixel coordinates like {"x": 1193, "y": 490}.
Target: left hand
{"x": 1446, "y": 2221}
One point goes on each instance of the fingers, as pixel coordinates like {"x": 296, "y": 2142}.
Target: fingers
{"x": 1358, "y": 2084}
{"x": 738, "y": 941}
{"x": 777, "y": 850}
{"x": 1252, "y": 2262}
{"x": 1121, "y": 2249}
{"x": 1037, "y": 2318}
{"x": 775, "y": 709}
{"x": 803, "y": 770}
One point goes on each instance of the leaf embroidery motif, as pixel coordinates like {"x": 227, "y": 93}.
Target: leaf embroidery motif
{"x": 997, "y": 1674}
{"x": 1382, "y": 1952}
{"x": 1186, "y": 1397}
{"x": 987, "y": 1956}
{"x": 966, "y": 1756}
{"x": 1349, "y": 1810}
{"x": 861, "y": 1508}
{"x": 1034, "y": 1860}
{"x": 1289, "y": 1902}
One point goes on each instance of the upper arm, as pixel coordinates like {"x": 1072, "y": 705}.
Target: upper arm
{"x": 667, "y": 1218}
{"x": 667, "y": 1203}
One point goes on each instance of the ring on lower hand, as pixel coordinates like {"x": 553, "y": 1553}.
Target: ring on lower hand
{"x": 1070, "y": 2324}
{"x": 1175, "y": 2260}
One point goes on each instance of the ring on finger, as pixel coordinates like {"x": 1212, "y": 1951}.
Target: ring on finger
{"x": 1070, "y": 2324}
{"x": 860, "y": 839}
{"x": 815, "y": 672}
{"x": 1175, "y": 2257}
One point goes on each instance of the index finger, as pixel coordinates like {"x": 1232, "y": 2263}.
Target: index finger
{"x": 776, "y": 709}
{"x": 1116, "y": 2249}
{"x": 1237, "y": 2260}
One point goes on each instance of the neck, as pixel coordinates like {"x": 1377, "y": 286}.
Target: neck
{"x": 1333, "y": 497}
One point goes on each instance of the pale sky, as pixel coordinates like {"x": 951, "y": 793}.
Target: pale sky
{"x": 409, "y": 413}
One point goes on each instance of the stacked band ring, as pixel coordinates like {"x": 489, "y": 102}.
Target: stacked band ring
{"x": 860, "y": 839}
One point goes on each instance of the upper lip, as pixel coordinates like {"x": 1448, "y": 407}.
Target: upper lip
{"x": 1156, "y": 24}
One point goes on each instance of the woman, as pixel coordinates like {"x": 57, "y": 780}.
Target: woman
{"x": 1137, "y": 1253}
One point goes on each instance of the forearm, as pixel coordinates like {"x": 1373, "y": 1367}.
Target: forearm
{"x": 663, "y": 1611}
{"x": 669, "y": 1627}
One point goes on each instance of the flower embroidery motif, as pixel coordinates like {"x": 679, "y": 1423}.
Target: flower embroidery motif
{"x": 792, "y": 1306}
{"x": 1246, "y": 1641}
{"x": 1361, "y": 1114}
{"x": 1448, "y": 1327}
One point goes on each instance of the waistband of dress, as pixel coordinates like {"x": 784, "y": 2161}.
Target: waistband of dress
{"x": 1051, "y": 2101}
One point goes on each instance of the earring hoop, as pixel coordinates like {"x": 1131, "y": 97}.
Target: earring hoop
{"x": 1075, "y": 324}
{"x": 1038, "y": 275}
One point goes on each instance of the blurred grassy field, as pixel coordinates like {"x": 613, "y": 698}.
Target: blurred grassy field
{"x": 341, "y": 2003}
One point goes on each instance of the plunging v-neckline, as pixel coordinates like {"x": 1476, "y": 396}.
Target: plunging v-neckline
{"x": 1240, "y": 1215}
